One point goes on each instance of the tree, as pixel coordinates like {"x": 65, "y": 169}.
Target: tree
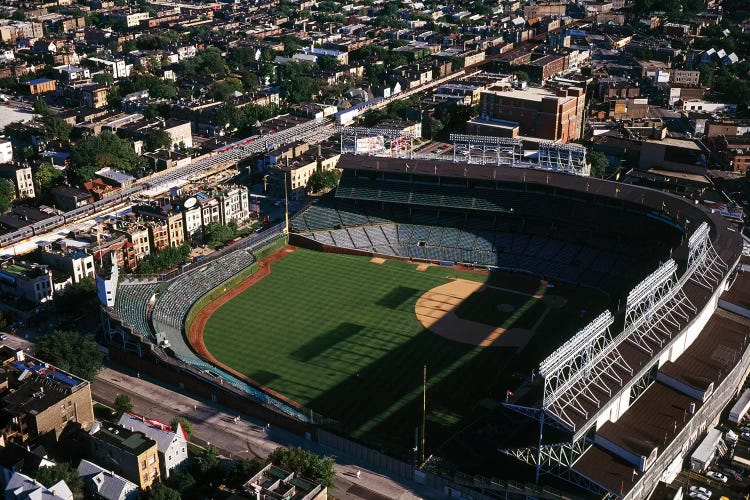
{"x": 323, "y": 179}
{"x": 41, "y": 108}
{"x": 186, "y": 426}
{"x": 226, "y": 88}
{"x": 296, "y": 87}
{"x": 123, "y": 404}
{"x": 305, "y": 463}
{"x": 104, "y": 78}
{"x": 206, "y": 461}
{"x": 71, "y": 351}
{"x": 521, "y": 76}
{"x": 599, "y": 163}
{"x": 327, "y": 63}
{"x": 158, "y": 139}
{"x": 7, "y": 193}
{"x": 51, "y": 475}
{"x": 216, "y": 234}
{"x": 47, "y": 177}
{"x": 3, "y": 320}
{"x": 58, "y": 129}
{"x": 77, "y": 295}
{"x": 104, "y": 150}
{"x": 181, "y": 481}
{"x": 159, "y": 491}
{"x": 163, "y": 259}
{"x": 241, "y": 471}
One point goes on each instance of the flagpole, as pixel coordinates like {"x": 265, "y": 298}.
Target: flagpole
{"x": 424, "y": 407}
{"x": 286, "y": 209}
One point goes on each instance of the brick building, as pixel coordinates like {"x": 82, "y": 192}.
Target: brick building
{"x": 38, "y": 399}
{"x": 541, "y": 113}
{"x": 130, "y": 453}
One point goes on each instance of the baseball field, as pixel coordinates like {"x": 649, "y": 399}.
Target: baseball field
{"x": 348, "y": 337}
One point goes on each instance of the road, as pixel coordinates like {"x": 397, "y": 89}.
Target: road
{"x": 249, "y": 438}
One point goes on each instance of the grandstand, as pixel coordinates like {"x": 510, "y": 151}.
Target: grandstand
{"x": 656, "y": 354}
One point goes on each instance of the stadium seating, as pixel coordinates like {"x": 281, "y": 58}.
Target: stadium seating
{"x": 131, "y": 303}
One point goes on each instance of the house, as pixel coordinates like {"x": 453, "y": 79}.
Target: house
{"x": 22, "y": 487}
{"x": 171, "y": 443}
{"x": 41, "y": 86}
{"x": 105, "y": 484}
{"x": 21, "y": 177}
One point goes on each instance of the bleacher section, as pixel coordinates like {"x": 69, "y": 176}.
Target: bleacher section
{"x": 132, "y": 304}
{"x": 175, "y": 302}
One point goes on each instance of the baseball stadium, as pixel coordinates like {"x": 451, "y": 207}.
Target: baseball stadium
{"x": 562, "y": 326}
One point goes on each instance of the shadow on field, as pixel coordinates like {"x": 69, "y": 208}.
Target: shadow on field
{"x": 326, "y": 341}
{"x": 263, "y": 377}
{"x": 399, "y": 298}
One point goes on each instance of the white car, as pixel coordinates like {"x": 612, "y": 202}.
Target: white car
{"x": 702, "y": 490}
{"x": 745, "y": 436}
{"x": 698, "y": 495}
{"x": 717, "y": 476}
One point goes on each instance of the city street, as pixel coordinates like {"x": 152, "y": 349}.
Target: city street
{"x": 248, "y": 438}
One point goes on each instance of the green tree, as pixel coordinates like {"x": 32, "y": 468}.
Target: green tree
{"x": 181, "y": 481}
{"x": 599, "y": 163}
{"x": 305, "y": 463}
{"x": 296, "y": 87}
{"x": 7, "y": 194}
{"x": 226, "y": 88}
{"x": 41, "y": 108}
{"x": 521, "y": 75}
{"x": 51, "y": 475}
{"x": 123, "y": 404}
{"x": 159, "y": 491}
{"x": 323, "y": 179}
{"x": 3, "y": 320}
{"x": 217, "y": 234}
{"x": 57, "y": 129}
{"x": 187, "y": 426}
{"x": 77, "y": 296}
{"x": 327, "y": 63}
{"x": 241, "y": 471}
{"x": 47, "y": 177}
{"x": 163, "y": 259}
{"x": 158, "y": 139}
{"x": 206, "y": 462}
{"x": 104, "y": 150}
{"x": 104, "y": 78}
{"x": 71, "y": 351}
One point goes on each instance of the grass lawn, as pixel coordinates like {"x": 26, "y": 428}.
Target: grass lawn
{"x": 338, "y": 334}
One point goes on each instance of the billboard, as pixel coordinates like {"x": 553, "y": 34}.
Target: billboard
{"x": 369, "y": 145}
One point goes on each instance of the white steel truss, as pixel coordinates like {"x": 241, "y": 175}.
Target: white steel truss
{"x": 569, "y": 158}
{"x": 500, "y": 151}
{"x": 558, "y": 459}
{"x": 586, "y": 362}
{"x": 705, "y": 267}
{"x": 536, "y": 414}
{"x": 655, "y": 308}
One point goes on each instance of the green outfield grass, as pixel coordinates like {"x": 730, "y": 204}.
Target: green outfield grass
{"x": 338, "y": 334}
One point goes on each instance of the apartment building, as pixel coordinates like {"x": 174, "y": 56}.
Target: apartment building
{"x": 6, "y": 151}
{"x": 77, "y": 263}
{"x": 171, "y": 443}
{"x": 127, "y": 452}
{"x": 541, "y": 113}
{"x": 37, "y": 399}
{"x": 21, "y": 177}
{"x": 29, "y": 281}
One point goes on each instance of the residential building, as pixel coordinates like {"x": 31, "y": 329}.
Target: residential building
{"x": 11, "y": 31}
{"x": 105, "y": 484}
{"x": 22, "y": 487}
{"x": 138, "y": 236}
{"x": 685, "y": 77}
{"x": 128, "y": 18}
{"x": 166, "y": 216}
{"x": 32, "y": 282}
{"x": 235, "y": 204}
{"x": 275, "y": 482}
{"x": 6, "y": 151}
{"x": 77, "y": 263}
{"x": 541, "y": 113}
{"x": 21, "y": 177}
{"x": 171, "y": 443}
{"x": 38, "y": 399}
{"x": 69, "y": 198}
{"x": 129, "y": 453}
{"x": 41, "y": 86}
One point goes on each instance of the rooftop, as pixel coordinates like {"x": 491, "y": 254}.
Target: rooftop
{"x": 135, "y": 442}
{"x": 536, "y": 94}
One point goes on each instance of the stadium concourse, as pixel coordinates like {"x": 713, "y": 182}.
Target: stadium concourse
{"x": 635, "y": 388}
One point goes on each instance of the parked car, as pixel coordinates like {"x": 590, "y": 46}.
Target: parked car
{"x": 3, "y": 337}
{"x": 717, "y": 476}
{"x": 702, "y": 490}
{"x": 698, "y": 495}
{"x": 745, "y": 436}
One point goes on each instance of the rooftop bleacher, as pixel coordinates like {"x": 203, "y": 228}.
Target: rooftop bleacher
{"x": 131, "y": 305}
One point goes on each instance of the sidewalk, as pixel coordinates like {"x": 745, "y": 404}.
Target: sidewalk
{"x": 249, "y": 438}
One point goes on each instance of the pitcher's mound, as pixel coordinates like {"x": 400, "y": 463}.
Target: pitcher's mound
{"x": 435, "y": 310}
